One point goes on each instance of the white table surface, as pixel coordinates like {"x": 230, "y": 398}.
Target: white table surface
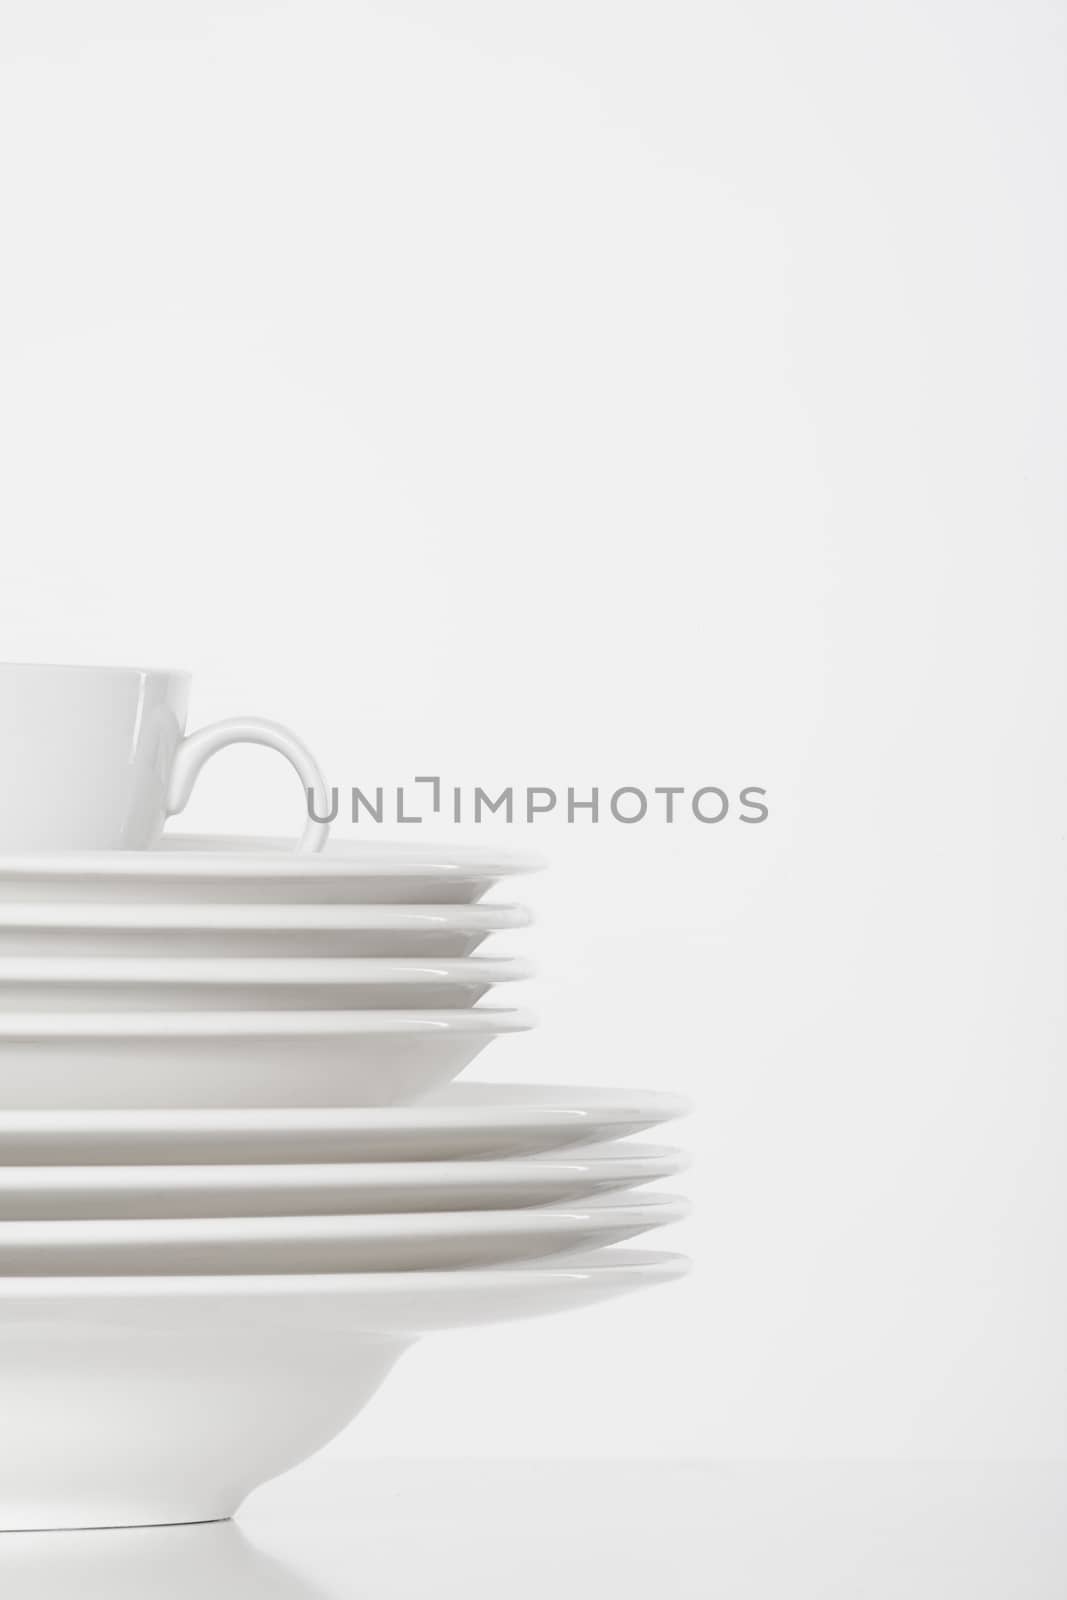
{"x": 516, "y": 1530}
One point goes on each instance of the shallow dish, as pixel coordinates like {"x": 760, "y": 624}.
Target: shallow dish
{"x": 213, "y": 867}
{"x": 183, "y": 983}
{"x": 328, "y": 1188}
{"x": 168, "y": 928}
{"x": 377, "y": 1242}
{"x": 130, "y": 1401}
{"x": 79, "y": 1061}
{"x": 463, "y": 1120}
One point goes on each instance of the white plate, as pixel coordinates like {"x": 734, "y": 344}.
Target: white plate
{"x": 471, "y": 1120}
{"x": 134, "y": 1060}
{"x": 167, "y": 928}
{"x": 381, "y": 1242}
{"x": 153, "y": 1400}
{"x": 214, "y": 867}
{"x": 183, "y": 983}
{"x": 328, "y": 1188}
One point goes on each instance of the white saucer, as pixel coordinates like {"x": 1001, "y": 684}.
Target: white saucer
{"x": 77, "y": 1061}
{"x": 169, "y": 928}
{"x": 156, "y": 1400}
{"x": 328, "y": 1188}
{"x": 214, "y": 867}
{"x": 376, "y": 1242}
{"x": 471, "y": 1120}
{"x": 219, "y": 983}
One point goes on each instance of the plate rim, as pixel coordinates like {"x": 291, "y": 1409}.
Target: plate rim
{"x": 165, "y": 1026}
{"x": 307, "y": 1119}
{"x": 266, "y": 971}
{"x": 616, "y": 1158}
{"x": 255, "y": 916}
{"x": 226, "y": 856}
{"x": 612, "y": 1264}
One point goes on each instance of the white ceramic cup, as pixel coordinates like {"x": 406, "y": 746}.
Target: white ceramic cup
{"x": 97, "y": 758}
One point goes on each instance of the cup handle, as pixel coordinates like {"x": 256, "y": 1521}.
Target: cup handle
{"x": 199, "y": 747}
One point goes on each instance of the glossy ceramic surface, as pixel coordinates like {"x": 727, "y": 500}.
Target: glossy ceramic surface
{"x": 375, "y": 1242}
{"x": 156, "y": 1400}
{"x": 84, "y": 929}
{"x": 471, "y": 1120}
{"x": 328, "y": 1188}
{"x": 219, "y": 983}
{"x": 96, "y": 758}
{"x": 238, "y": 869}
{"x": 130, "y": 1061}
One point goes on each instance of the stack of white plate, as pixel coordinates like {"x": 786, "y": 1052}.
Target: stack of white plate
{"x": 236, "y": 1177}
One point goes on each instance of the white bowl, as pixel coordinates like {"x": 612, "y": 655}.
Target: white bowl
{"x": 328, "y": 1188}
{"x": 131, "y": 1401}
{"x": 375, "y": 1242}
{"x": 73, "y": 1061}
{"x": 471, "y": 1120}
{"x": 166, "y": 928}
{"x": 217, "y": 983}
{"x": 216, "y": 867}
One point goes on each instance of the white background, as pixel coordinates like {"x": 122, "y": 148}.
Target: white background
{"x": 599, "y": 393}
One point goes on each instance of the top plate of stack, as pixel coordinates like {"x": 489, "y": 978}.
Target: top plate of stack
{"x": 213, "y": 868}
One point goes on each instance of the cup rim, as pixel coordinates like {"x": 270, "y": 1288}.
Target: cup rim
{"x": 112, "y": 671}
